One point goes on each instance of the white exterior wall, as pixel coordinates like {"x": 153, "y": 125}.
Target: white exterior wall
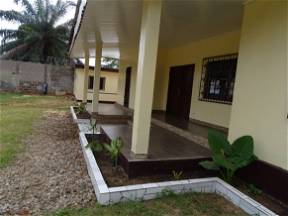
{"x": 260, "y": 95}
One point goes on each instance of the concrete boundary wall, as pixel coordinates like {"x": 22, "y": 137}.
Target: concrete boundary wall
{"x": 30, "y": 77}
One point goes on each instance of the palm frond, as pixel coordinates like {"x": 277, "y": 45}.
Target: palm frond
{"x": 13, "y": 16}
{"x": 28, "y": 7}
{"x": 12, "y": 49}
{"x": 47, "y": 10}
{"x": 7, "y": 34}
{"x": 59, "y": 10}
{"x": 40, "y": 10}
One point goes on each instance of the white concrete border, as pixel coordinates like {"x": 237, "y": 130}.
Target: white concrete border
{"x": 109, "y": 195}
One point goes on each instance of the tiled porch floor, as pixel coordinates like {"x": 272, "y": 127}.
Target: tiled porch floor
{"x": 186, "y": 125}
{"x": 163, "y": 144}
{"x": 109, "y": 109}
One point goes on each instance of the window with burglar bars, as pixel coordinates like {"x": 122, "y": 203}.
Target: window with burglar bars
{"x": 218, "y": 78}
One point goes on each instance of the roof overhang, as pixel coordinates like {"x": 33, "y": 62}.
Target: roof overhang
{"x": 117, "y": 24}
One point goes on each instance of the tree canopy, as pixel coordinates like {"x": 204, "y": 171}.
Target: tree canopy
{"x": 110, "y": 62}
{"x": 39, "y": 37}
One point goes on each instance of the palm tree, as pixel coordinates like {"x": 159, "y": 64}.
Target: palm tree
{"x": 38, "y": 37}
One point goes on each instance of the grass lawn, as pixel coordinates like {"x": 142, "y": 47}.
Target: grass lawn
{"x": 17, "y": 114}
{"x": 193, "y": 204}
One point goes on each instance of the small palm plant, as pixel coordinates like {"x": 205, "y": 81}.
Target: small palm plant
{"x": 94, "y": 144}
{"x": 93, "y": 124}
{"x": 81, "y": 108}
{"x": 114, "y": 150}
{"x": 228, "y": 158}
{"x": 177, "y": 175}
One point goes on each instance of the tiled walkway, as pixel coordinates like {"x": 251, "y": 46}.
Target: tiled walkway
{"x": 109, "y": 109}
{"x": 163, "y": 144}
{"x": 186, "y": 125}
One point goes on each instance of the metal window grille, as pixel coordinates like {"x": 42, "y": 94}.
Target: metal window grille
{"x": 218, "y": 78}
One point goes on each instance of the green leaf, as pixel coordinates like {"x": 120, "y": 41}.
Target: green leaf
{"x": 218, "y": 143}
{"x": 209, "y": 165}
{"x": 222, "y": 161}
{"x": 243, "y": 147}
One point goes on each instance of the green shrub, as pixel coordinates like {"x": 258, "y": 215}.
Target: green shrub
{"x": 228, "y": 158}
{"x": 114, "y": 150}
{"x": 81, "y": 108}
{"x": 95, "y": 146}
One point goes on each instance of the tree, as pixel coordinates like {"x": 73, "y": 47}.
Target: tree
{"x": 110, "y": 62}
{"x": 38, "y": 37}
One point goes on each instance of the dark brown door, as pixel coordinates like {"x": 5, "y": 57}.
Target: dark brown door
{"x": 180, "y": 91}
{"x": 127, "y": 86}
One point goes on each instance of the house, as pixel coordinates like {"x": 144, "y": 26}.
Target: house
{"x": 108, "y": 87}
{"x": 217, "y": 63}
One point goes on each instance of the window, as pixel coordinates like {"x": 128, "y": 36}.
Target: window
{"x": 90, "y": 82}
{"x": 102, "y": 83}
{"x": 218, "y": 78}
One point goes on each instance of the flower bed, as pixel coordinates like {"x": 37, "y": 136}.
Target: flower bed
{"x": 107, "y": 195}
{"x": 79, "y": 119}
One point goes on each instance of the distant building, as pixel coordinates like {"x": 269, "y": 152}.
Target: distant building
{"x": 108, "y": 83}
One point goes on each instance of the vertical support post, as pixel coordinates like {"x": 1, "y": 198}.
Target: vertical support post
{"x": 86, "y": 72}
{"x": 97, "y": 71}
{"x": 121, "y": 81}
{"x": 147, "y": 58}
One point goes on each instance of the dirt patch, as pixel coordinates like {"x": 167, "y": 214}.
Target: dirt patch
{"x": 50, "y": 174}
{"x": 116, "y": 176}
{"x": 263, "y": 198}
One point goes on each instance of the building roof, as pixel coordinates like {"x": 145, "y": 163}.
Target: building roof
{"x": 79, "y": 64}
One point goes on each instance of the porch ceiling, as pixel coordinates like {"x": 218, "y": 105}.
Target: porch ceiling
{"x": 117, "y": 23}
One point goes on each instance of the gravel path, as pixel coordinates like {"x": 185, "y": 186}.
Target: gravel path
{"x": 50, "y": 174}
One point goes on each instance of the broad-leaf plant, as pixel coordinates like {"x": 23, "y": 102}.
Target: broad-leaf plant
{"x": 228, "y": 158}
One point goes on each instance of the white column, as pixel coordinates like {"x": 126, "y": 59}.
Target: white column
{"x": 97, "y": 71}
{"x": 86, "y": 72}
{"x": 147, "y": 59}
{"x": 121, "y": 81}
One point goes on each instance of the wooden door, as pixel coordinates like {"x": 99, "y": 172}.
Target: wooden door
{"x": 127, "y": 86}
{"x": 180, "y": 91}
